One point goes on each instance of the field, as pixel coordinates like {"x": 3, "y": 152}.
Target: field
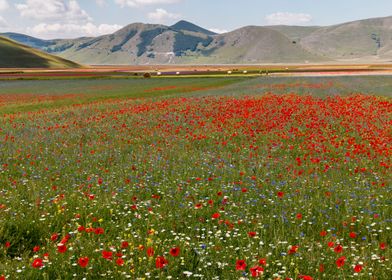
{"x": 204, "y": 178}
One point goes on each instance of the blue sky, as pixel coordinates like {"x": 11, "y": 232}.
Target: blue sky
{"x": 74, "y": 18}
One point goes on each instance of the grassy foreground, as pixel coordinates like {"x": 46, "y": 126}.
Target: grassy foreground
{"x": 200, "y": 178}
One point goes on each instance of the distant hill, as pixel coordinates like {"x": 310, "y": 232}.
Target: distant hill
{"x": 185, "y": 42}
{"x": 16, "y": 55}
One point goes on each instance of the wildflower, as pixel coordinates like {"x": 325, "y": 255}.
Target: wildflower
{"x": 107, "y": 255}
{"x": 61, "y": 248}
{"x": 37, "y": 263}
{"x": 83, "y": 261}
{"x": 124, "y": 244}
{"x": 252, "y": 234}
{"x": 120, "y": 262}
{"x": 174, "y": 251}
{"x": 240, "y": 265}
{"x": 161, "y": 262}
{"x": 340, "y": 261}
{"x": 150, "y": 252}
{"x": 215, "y": 216}
{"x": 256, "y": 271}
{"x": 338, "y": 249}
{"x": 358, "y": 268}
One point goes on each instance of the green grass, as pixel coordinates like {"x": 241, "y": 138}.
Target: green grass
{"x": 16, "y": 55}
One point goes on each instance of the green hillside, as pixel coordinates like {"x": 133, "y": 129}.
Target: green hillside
{"x": 15, "y": 55}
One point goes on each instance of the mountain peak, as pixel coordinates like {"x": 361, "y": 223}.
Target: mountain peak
{"x": 188, "y": 26}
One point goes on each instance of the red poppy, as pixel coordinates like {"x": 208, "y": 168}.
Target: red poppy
{"x": 331, "y": 244}
{"x": 37, "y": 263}
{"x": 323, "y": 233}
{"x": 36, "y": 249}
{"x": 263, "y": 261}
{"x": 240, "y": 265}
{"x": 383, "y": 246}
{"x": 120, "y": 262}
{"x": 99, "y": 231}
{"x": 256, "y": 271}
{"x": 150, "y": 252}
{"x": 299, "y": 216}
{"x": 174, "y": 251}
{"x": 358, "y": 268}
{"x": 305, "y": 277}
{"x": 61, "y": 248}
{"x": 338, "y": 249}
{"x": 280, "y": 194}
{"x": 321, "y": 268}
{"x": 7, "y": 244}
{"x": 124, "y": 244}
{"x": 215, "y": 216}
{"x": 293, "y": 249}
{"x": 83, "y": 261}
{"x": 340, "y": 261}
{"x": 161, "y": 262}
{"x": 252, "y": 234}
{"x": 244, "y": 190}
{"x": 107, "y": 255}
{"x": 2, "y": 277}
{"x": 353, "y": 235}
{"x": 54, "y": 237}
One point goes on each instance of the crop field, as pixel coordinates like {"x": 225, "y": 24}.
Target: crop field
{"x": 199, "y": 178}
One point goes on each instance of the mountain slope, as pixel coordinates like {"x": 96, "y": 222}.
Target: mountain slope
{"x": 184, "y": 42}
{"x": 371, "y": 38}
{"x": 183, "y": 25}
{"x": 16, "y": 55}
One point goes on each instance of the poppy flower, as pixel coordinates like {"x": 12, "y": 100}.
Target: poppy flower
{"x": 107, "y": 255}
{"x": 293, "y": 249}
{"x": 240, "y": 265}
{"x": 280, "y": 194}
{"x": 321, "y": 268}
{"x": 263, "y": 261}
{"x": 353, "y": 235}
{"x": 383, "y": 246}
{"x": 99, "y": 231}
{"x": 37, "y": 263}
{"x": 61, "y": 248}
{"x": 120, "y": 262}
{"x": 252, "y": 234}
{"x": 358, "y": 268}
{"x": 161, "y": 262}
{"x": 36, "y": 249}
{"x": 299, "y": 216}
{"x": 256, "y": 271}
{"x": 323, "y": 233}
{"x": 124, "y": 244}
{"x": 305, "y": 277}
{"x": 340, "y": 261}
{"x": 150, "y": 252}
{"x": 83, "y": 261}
{"x": 174, "y": 251}
{"x": 7, "y": 244}
{"x": 338, "y": 249}
{"x": 215, "y": 216}
{"x": 54, "y": 237}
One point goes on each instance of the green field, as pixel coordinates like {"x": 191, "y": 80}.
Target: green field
{"x": 200, "y": 178}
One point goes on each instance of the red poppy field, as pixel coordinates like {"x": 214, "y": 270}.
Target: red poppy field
{"x": 201, "y": 184}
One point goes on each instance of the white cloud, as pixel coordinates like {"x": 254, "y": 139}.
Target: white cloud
{"x": 57, "y": 30}
{"x": 100, "y": 3}
{"x": 162, "y": 16}
{"x": 3, "y": 5}
{"x": 288, "y": 19}
{"x": 136, "y": 3}
{"x": 3, "y": 22}
{"x": 53, "y": 10}
{"x": 218, "y": 30}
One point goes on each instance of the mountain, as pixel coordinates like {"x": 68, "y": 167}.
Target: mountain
{"x": 183, "y": 25}
{"x": 16, "y": 55}
{"x": 185, "y": 42}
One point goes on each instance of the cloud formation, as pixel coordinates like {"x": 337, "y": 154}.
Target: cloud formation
{"x": 53, "y": 10}
{"x": 162, "y": 16}
{"x": 136, "y": 3}
{"x": 3, "y": 22}
{"x": 62, "y": 19}
{"x": 45, "y": 30}
{"x": 4, "y": 5}
{"x": 281, "y": 18}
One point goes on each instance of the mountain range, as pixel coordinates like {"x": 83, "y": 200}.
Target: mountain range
{"x": 367, "y": 40}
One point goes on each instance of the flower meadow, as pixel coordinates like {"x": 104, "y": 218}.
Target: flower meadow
{"x": 212, "y": 187}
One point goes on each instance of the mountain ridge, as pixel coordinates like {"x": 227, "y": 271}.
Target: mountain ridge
{"x": 187, "y": 43}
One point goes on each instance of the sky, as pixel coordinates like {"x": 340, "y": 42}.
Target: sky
{"x": 50, "y": 19}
